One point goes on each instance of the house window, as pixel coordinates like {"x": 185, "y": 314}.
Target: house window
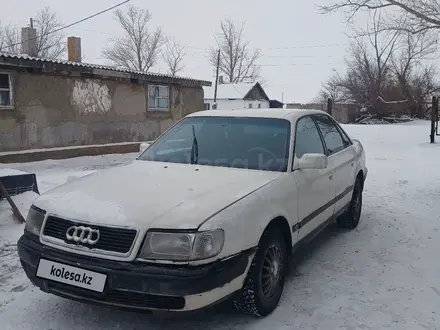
{"x": 5, "y": 90}
{"x": 250, "y": 105}
{"x": 207, "y": 106}
{"x": 158, "y": 97}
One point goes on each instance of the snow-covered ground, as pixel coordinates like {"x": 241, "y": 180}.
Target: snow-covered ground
{"x": 384, "y": 275}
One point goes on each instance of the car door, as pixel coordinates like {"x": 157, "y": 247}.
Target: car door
{"x": 342, "y": 155}
{"x": 316, "y": 189}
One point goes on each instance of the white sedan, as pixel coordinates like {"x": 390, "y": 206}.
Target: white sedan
{"x": 211, "y": 210}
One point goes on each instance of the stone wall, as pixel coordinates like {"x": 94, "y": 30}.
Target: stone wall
{"x": 57, "y": 111}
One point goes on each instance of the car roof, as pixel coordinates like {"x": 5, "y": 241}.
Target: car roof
{"x": 290, "y": 114}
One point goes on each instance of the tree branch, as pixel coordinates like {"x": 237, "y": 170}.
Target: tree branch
{"x": 138, "y": 48}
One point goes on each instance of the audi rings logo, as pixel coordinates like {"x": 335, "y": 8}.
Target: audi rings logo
{"x": 81, "y": 234}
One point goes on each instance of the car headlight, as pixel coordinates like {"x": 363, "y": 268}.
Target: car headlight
{"x": 175, "y": 246}
{"x": 34, "y": 220}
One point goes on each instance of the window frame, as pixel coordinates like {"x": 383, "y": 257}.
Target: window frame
{"x": 10, "y": 90}
{"x": 338, "y": 129}
{"x": 157, "y": 108}
{"x": 324, "y": 147}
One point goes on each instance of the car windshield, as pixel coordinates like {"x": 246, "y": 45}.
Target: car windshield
{"x": 239, "y": 142}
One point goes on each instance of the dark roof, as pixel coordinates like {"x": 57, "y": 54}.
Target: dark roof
{"x": 23, "y": 60}
{"x": 258, "y": 85}
{"x": 275, "y": 104}
{"x": 237, "y": 91}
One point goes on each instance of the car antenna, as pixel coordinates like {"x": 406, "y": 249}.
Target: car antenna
{"x": 194, "y": 148}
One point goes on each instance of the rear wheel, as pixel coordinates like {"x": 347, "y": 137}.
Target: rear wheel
{"x": 264, "y": 284}
{"x": 350, "y": 218}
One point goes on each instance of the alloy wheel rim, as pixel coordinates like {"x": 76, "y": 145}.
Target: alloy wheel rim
{"x": 272, "y": 271}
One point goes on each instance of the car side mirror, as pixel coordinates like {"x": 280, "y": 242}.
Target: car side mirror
{"x": 312, "y": 162}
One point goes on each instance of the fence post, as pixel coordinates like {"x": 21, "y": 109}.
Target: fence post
{"x": 329, "y": 106}
{"x": 434, "y": 113}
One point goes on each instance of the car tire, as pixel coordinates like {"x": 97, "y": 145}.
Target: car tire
{"x": 264, "y": 283}
{"x": 350, "y": 218}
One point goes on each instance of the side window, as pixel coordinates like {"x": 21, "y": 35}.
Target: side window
{"x": 344, "y": 135}
{"x": 158, "y": 97}
{"x": 344, "y": 138}
{"x": 307, "y": 138}
{"x": 5, "y": 90}
{"x": 332, "y": 138}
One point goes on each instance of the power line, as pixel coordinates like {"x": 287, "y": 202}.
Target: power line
{"x": 72, "y": 24}
{"x": 299, "y": 64}
{"x": 263, "y": 55}
{"x": 289, "y": 47}
{"x": 289, "y": 64}
{"x": 264, "y": 48}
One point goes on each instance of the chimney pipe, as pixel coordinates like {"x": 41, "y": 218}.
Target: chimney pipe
{"x": 74, "y": 49}
{"x": 29, "y": 41}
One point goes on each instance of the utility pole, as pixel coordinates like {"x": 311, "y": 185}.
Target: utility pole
{"x": 434, "y": 115}
{"x": 214, "y": 106}
{"x": 330, "y": 106}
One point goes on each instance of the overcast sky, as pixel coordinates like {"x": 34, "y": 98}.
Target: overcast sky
{"x": 300, "y": 47}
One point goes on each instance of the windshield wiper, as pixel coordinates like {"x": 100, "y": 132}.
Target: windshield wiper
{"x": 194, "y": 148}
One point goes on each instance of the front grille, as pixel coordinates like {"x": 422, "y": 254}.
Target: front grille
{"x": 111, "y": 239}
{"x": 122, "y": 298}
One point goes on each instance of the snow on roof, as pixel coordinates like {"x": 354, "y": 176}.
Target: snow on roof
{"x": 229, "y": 91}
{"x": 5, "y": 57}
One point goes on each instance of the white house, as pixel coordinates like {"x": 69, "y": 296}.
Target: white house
{"x": 237, "y": 96}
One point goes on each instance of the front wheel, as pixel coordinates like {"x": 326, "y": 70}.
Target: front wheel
{"x": 264, "y": 284}
{"x": 350, "y": 218}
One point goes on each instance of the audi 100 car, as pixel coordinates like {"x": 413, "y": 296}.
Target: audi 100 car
{"x": 211, "y": 210}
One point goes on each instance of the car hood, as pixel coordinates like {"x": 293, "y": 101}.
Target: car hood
{"x": 147, "y": 194}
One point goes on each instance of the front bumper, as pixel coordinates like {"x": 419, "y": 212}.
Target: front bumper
{"x": 137, "y": 285}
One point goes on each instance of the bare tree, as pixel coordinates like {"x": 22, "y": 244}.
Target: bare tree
{"x": 415, "y": 79}
{"x": 414, "y": 49}
{"x": 383, "y": 48}
{"x": 414, "y": 16}
{"x": 368, "y": 73}
{"x": 403, "y": 78}
{"x": 9, "y": 39}
{"x": 368, "y": 80}
{"x": 386, "y": 74}
{"x": 138, "y": 48}
{"x": 50, "y": 42}
{"x": 173, "y": 56}
{"x": 237, "y": 61}
{"x": 333, "y": 88}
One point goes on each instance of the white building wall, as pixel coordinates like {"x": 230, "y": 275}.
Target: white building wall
{"x": 223, "y": 104}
